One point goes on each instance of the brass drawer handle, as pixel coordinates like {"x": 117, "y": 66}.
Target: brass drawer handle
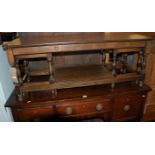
{"x": 127, "y": 107}
{"x": 84, "y": 96}
{"x": 69, "y": 110}
{"x": 143, "y": 96}
{"x": 99, "y": 106}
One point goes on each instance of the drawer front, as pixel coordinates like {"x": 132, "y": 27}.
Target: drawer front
{"x": 128, "y": 107}
{"x": 83, "y": 107}
{"x": 102, "y": 116}
{"x": 33, "y": 114}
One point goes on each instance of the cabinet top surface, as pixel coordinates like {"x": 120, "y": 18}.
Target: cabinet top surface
{"x": 77, "y": 93}
{"x": 75, "y": 38}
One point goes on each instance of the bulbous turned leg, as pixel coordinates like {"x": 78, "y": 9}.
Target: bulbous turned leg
{"x": 114, "y": 65}
{"x": 51, "y": 68}
{"x": 114, "y": 73}
{"x": 125, "y": 63}
{"x": 20, "y": 81}
{"x": 103, "y": 52}
{"x": 26, "y": 65}
{"x": 141, "y": 67}
{"x": 122, "y": 62}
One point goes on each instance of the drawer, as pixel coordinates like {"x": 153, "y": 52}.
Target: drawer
{"x": 83, "y": 107}
{"x": 128, "y": 107}
{"x": 33, "y": 114}
{"x": 104, "y": 116}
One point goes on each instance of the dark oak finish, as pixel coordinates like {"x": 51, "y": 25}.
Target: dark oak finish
{"x": 60, "y": 76}
{"x": 30, "y": 48}
{"x": 77, "y": 38}
{"x": 77, "y": 104}
{"x": 75, "y": 42}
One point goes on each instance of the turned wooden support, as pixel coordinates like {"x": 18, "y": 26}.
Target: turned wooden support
{"x": 125, "y": 62}
{"x": 144, "y": 61}
{"x": 18, "y": 73}
{"x": 26, "y": 63}
{"x": 114, "y": 73}
{"x": 103, "y": 57}
{"x": 140, "y": 62}
{"x": 18, "y": 90}
{"x": 114, "y": 64}
{"x": 141, "y": 66}
{"x": 51, "y": 68}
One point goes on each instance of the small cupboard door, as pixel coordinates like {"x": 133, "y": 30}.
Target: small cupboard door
{"x": 128, "y": 107}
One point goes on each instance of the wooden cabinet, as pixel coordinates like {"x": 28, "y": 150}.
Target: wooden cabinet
{"x": 125, "y": 103}
{"x": 79, "y": 76}
{"x": 92, "y": 59}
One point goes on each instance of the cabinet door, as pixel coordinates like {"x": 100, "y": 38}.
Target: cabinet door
{"x": 128, "y": 107}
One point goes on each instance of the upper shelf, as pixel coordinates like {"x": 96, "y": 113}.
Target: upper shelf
{"x": 78, "y": 76}
{"x": 76, "y": 38}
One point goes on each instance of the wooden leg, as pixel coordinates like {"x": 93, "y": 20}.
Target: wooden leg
{"x": 144, "y": 61}
{"x": 19, "y": 72}
{"x": 140, "y": 69}
{"x": 26, "y": 63}
{"x": 125, "y": 63}
{"x": 122, "y": 62}
{"x": 114, "y": 68}
{"x": 51, "y": 68}
{"x": 144, "y": 56}
{"x": 18, "y": 91}
{"x": 103, "y": 57}
{"x": 114, "y": 65}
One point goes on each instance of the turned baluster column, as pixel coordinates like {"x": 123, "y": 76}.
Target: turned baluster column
{"x": 122, "y": 62}
{"x": 144, "y": 61}
{"x": 19, "y": 72}
{"x": 143, "y": 66}
{"x": 103, "y": 52}
{"x": 114, "y": 68}
{"x": 20, "y": 81}
{"x": 125, "y": 56}
{"x": 140, "y": 67}
{"x": 26, "y": 63}
{"x": 51, "y": 68}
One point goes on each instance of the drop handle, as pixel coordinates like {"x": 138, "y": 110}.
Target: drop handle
{"x": 127, "y": 107}
{"x": 69, "y": 110}
{"x": 99, "y": 106}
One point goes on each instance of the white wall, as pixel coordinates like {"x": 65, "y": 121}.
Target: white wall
{"x": 6, "y": 87}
